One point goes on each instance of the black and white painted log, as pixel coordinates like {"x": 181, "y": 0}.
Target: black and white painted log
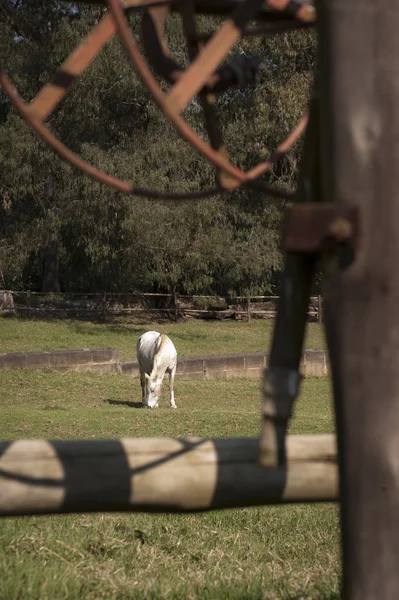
{"x": 160, "y": 475}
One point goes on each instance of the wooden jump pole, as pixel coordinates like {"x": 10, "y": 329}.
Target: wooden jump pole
{"x": 359, "y": 45}
{"x": 160, "y": 475}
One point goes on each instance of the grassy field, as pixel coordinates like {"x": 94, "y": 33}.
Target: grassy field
{"x": 191, "y": 338}
{"x": 288, "y": 552}
{"x": 270, "y": 553}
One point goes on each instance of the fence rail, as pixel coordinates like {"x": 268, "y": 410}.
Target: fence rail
{"x": 161, "y": 474}
{"x": 176, "y": 305}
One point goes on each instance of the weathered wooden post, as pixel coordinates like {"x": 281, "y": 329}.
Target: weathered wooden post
{"x": 360, "y": 154}
{"x": 176, "y": 305}
{"x": 28, "y": 303}
{"x": 320, "y": 309}
{"x": 104, "y": 306}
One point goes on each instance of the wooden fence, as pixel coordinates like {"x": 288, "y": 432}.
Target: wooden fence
{"x": 106, "y": 304}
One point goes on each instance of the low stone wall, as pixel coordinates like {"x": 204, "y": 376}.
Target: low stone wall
{"x": 227, "y": 366}
{"x": 106, "y": 360}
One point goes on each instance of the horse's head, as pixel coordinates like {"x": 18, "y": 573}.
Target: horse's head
{"x": 153, "y": 390}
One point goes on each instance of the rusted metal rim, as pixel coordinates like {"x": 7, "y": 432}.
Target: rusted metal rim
{"x": 151, "y": 84}
{"x": 48, "y": 98}
{"x": 207, "y": 62}
{"x": 269, "y": 11}
{"x": 299, "y": 10}
{"x": 185, "y": 131}
{"x": 162, "y": 60}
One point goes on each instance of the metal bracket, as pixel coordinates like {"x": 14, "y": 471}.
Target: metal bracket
{"x": 313, "y": 227}
{"x": 280, "y": 389}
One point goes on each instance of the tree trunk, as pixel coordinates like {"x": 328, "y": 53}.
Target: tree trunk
{"x": 50, "y": 276}
{"x": 360, "y": 66}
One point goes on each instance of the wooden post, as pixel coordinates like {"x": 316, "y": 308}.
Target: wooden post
{"x": 249, "y": 309}
{"x": 319, "y": 309}
{"x": 28, "y": 303}
{"x": 359, "y": 45}
{"x": 176, "y": 305}
{"x": 104, "y": 306}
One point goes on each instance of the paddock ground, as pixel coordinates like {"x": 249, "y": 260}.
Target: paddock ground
{"x": 191, "y": 337}
{"x": 288, "y": 552}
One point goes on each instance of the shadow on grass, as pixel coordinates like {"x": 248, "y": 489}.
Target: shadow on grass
{"x": 9, "y": 315}
{"x": 124, "y": 403}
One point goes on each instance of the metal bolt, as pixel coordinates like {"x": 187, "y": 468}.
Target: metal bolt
{"x": 341, "y": 229}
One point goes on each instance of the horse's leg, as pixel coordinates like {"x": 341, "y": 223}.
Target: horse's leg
{"x": 172, "y": 373}
{"x": 142, "y": 382}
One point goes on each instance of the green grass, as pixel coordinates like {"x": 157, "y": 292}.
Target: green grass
{"x": 191, "y": 338}
{"x": 273, "y": 553}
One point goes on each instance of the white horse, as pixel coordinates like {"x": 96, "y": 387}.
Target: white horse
{"x": 156, "y": 355}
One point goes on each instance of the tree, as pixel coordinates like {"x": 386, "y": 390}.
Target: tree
{"x": 104, "y": 240}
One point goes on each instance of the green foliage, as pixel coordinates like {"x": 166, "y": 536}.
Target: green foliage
{"x": 110, "y": 241}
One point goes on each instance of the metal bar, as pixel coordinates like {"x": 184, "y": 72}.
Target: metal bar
{"x": 268, "y": 12}
{"x": 282, "y": 378}
{"x": 211, "y": 56}
{"x": 207, "y": 100}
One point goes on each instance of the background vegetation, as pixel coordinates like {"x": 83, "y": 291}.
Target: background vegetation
{"x": 102, "y": 240}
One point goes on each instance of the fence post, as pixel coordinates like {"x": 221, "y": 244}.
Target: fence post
{"x": 176, "y": 304}
{"x": 249, "y": 308}
{"x": 28, "y": 304}
{"x": 319, "y": 309}
{"x": 104, "y": 306}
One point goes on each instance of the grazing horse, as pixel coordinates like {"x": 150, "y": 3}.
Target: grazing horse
{"x": 156, "y": 355}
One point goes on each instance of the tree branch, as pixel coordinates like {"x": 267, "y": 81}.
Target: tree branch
{"x": 11, "y": 22}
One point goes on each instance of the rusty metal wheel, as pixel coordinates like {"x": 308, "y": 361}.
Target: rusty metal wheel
{"x": 203, "y": 79}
